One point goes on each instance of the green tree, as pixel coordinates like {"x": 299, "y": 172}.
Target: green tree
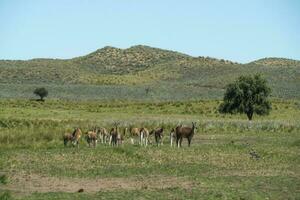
{"x": 249, "y": 95}
{"x": 41, "y": 92}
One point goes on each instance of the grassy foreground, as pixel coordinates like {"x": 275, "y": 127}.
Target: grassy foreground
{"x": 35, "y": 165}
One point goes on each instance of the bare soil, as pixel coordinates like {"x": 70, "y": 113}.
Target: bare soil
{"x": 29, "y": 183}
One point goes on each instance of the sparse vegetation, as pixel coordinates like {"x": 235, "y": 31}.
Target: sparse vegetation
{"x": 111, "y": 71}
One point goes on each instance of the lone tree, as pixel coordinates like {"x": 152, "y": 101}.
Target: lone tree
{"x": 147, "y": 90}
{"x": 249, "y": 95}
{"x": 42, "y": 92}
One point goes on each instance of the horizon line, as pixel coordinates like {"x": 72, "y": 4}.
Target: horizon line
{"x": 136, "y": 45}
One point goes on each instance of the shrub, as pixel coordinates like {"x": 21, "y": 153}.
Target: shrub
{"x": 41, "y": 92}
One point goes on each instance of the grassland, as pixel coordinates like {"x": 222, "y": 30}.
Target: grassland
{"x": 35, "y": 165}
{"x": 145, "y": 86}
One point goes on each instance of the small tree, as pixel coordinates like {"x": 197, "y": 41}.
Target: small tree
{"x": 41, "y": 92}
{"x": 147, "y": 90}
{"x": 249, "y": 95}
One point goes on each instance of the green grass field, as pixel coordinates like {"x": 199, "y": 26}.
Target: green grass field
{"x": 35, "y": 165}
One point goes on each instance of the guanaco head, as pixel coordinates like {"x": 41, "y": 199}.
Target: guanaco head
{"x": 194, "y": 126}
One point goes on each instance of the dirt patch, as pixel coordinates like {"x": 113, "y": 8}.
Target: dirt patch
{"x": 29, "y": 183}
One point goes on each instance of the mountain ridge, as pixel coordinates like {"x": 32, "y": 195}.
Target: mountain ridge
{"x": 146, "y": 47}
{"x": 146, "y": 66}
{"x": 278, "y": 61}
{"x": 138, "y": 47}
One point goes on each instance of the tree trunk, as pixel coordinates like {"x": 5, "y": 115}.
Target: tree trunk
{"x": 249, "y": 115}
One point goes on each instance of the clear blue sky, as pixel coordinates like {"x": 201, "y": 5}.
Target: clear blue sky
{"x": 238, "y": 30}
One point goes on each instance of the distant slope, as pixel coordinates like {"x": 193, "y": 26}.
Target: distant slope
{"x": 142, "y": 66}
{"x": 276, "y": 62}
{"x": 109, "y": 65}
{"x": 136, "y": 58}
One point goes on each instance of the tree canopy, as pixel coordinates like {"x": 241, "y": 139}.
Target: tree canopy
{"x": 249, "y": 95}
{"x": 41, "y": 92}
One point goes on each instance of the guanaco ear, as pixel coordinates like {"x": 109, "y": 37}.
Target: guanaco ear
{"x": 195, "y": 125}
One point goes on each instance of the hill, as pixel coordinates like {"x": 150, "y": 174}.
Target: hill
{"x": 125, "y": 73}
{"x": 276, "y": 62}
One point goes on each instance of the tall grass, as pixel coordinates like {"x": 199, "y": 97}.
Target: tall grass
{"x": 30, "y": 123}
{"x": 32, "y": 133}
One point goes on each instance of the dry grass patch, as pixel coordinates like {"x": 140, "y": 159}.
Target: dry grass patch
{"x": 29, "y": 183}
